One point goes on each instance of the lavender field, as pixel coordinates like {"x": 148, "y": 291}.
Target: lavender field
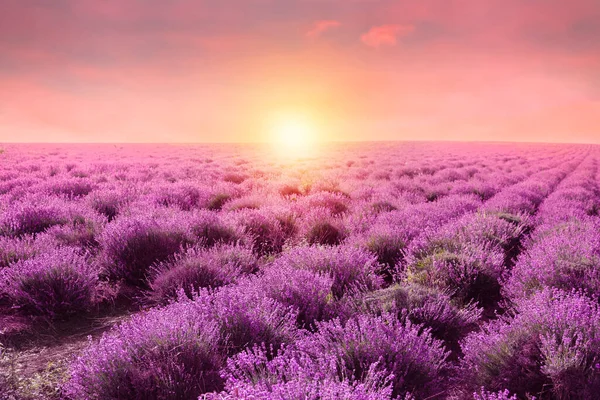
{"x": 371, "y": 271}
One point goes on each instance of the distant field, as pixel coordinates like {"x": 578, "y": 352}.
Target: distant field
{"x": 369, "y": 271}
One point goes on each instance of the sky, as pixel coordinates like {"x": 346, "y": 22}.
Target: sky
{"x": 222, "y": 71}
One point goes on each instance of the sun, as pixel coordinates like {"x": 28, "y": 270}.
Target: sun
{"x": 293, "y": 135}
{"x": 294, "y": 132}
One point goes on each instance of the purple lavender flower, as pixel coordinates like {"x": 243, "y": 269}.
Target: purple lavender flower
{"x": 55, "y": 284}
{"x": 549, "y": 345}
{"x": 199, "y": 268}
{"x": 351, "y": 269}
{"x": 416, "y": 361}
{"x": 308, "y": 292}
{"x": 131, "y": 244}
{"x": 565, "y": 256}
{"x": 167, "y": 353}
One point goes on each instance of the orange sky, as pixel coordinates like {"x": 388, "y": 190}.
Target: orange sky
{"x": 198, "y": 71}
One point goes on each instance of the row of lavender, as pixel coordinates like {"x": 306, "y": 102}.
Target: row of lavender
{"x": 549, "y": 344}
{"x": 375, "y": 278}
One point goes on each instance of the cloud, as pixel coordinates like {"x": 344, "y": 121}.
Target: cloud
{"x": 321, "y": 27}
{"x": 386, "y": 35}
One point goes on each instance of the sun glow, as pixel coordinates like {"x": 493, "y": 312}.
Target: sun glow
{"x": 293, "y": 135}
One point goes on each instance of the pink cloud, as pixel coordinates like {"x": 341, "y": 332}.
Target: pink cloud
{"x": 386, "y": 35}
{"x": 321, "y": 27}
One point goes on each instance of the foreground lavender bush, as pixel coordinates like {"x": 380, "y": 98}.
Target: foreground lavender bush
{"x": 334, "y": 203}
{"x": 551, "y": 345}
{"x": 565, "y": 256}
{"x": 388, "y": 242}
{"x": 178, "y": 351}
{"x": 246, "y": 317}
{"x": 468, "y": 256}
{"x": 209, "y": 229}
{"x": 264, "y": 230}
{"x": 295, "y": 375}
{"x": 308, "y": 292}
{"x": 183, "y": 196}
{"x": 68, "y": 187}
{"x": 433, "y": 308}
{"x": 34, "y": 216}
{"x": 471, "y": 271}
{"x": 199, "y": 268}
{"x": 171, "y": 353}
{"x": 319, "y": 227}
{"x": 325, "y": 233}
{"x": 352, "y": 269}
{"x": 498, "y": 230}
{"x": 108, "y": 203}
{"x": 81, "y": 232}
{"x": 15, "y": 249}
{"x": 351, "y": 351}
{"x": 132, "y": 244}
{"x": 55, "y": 284}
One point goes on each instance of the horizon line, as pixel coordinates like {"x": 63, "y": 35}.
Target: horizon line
{"x": 319, "y": 142}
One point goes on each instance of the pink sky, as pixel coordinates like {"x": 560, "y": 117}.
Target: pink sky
{"x": 197, "y": 71}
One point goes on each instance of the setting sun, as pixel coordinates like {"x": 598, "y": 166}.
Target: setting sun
{"x": 293, "y": 135}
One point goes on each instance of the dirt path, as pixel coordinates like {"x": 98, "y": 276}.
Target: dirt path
{"x": 35, "y": 364}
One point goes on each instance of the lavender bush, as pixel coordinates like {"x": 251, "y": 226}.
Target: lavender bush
{"x": 199, "y": 268}
{"x": 56, "y": 284}
{"x": 132, "y": 244}
{"x": 425, "y": 305}
{"x": 308, "y": 292}
{"x": 296, "y": 375}
{"x": 32, "y": 217}
{"x": 168, "y": 353}
{"x": 471, "y": 271}
{"x": 265, "y": 322}
{"x": 352, "y": 350}
{"x": 565, "y": 256}
{"x": 351, "y": 269}
{"x": 549, "y": 346}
